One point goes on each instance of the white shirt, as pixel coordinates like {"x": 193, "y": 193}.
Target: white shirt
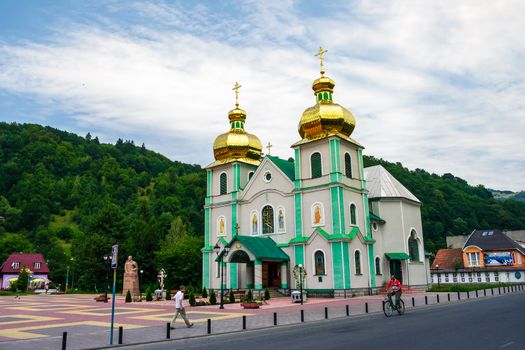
{"x": 179, "y": 297}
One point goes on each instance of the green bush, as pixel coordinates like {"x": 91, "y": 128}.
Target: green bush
{"x": 128, "y": 297}
{"x": 168, "y": 295}
{"x": 192, "y": 299}
{"x": 21, "y": 283}
{"x": 213, "y": 297}
{"x": 266, "y": 294}
{"x": 232, "y": 297}
{"x": 204, "y": 292}
{"x": 149, "y": 297}
{"x": 462, "y": 288}
{"x": 249, "y": 296}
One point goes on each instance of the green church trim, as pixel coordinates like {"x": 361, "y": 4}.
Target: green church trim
{"x": 346, "y": 259}
{"x": 297, "y": 168}
{"x": 298, "y": 214}
{"x": 208, "y": 183}
{"x": 337, "y": 262}
{"x": 258, "y": 262}
{"x": 372, "y": 265}
{"x": 234, "y": 220}
{"x": 233, "y": 276}
{"x": 206, "y": 269}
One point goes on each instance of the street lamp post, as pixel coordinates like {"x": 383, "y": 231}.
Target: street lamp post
{"x": 301, "y": 281}
{"x": 220, "y": 255}
{"x": 140, "y": 283}
{"x": 437, "y": 269}
{"x": 107, "y": 260}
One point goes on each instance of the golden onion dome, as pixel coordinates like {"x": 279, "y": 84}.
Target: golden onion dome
{"x": 237, "y": 144}
{"x": 326, "y": 117}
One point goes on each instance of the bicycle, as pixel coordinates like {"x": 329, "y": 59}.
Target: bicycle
{"x": 389, "y": 307}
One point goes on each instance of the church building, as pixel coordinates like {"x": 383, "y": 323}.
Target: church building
{"x": 350, "y": 227}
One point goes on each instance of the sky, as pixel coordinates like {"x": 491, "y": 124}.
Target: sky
{"x": 436, "y": 85}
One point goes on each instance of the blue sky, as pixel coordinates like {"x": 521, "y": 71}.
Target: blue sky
{"x": 434, "y": 85}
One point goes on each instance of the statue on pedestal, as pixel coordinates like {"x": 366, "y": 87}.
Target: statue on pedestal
{"x": 131, "y": 278}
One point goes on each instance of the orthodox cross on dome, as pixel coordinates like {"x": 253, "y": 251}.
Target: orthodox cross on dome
{"x": 320, "y": 53}
{"x": 237, "y": 227}
{"x": 236, "y": 89}
{"x": 269, "y": 146}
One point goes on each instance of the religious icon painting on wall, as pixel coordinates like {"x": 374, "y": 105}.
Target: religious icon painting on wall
{"x": 221, "y": 223}
{"x": 317, "y": 215}
{"x": 255, "y": 229}
{"x": 280, "y": 220}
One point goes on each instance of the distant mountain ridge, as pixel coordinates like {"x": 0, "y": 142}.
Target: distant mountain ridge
{"x": 506, "y": 195}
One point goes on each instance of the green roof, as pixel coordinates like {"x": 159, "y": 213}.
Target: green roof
{"x": 397, "y": 256}
{"x": 264, "y": 248}
{"x": 288, "y": 168}
{"x": 376, "y": 218}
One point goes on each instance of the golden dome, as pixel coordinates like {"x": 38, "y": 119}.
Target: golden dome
{"x": 326, "y": 117}
{"x": 237, "y": 144}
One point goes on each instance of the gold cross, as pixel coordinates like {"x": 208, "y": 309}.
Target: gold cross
{"x": 237, "y": 227}
{"x": 236, "y": 89}
{"x": 320, "y": 53}
{"x": 269, "y": 146}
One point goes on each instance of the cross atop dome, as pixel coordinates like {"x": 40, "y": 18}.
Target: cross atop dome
{"x": 236, "y": 89}
{"x": 320, "y": 53}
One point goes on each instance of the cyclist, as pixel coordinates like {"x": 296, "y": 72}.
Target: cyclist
{"x": 394, "y": 288}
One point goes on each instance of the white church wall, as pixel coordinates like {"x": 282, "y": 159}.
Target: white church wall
{"x": 309, "y": 199}
{"x": 327, "y": 280}
{"x": 279, "y": 181}
{"x": 359, "y": 280}
{"x": 215, "y": 188}
{"x": 224, "y": 211}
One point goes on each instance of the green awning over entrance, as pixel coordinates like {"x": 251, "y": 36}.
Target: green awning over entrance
{"x": 264, "y": 248}
{"x": 397, "y": 256}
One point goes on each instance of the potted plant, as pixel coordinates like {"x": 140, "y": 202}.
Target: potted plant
{"x": 248, "y": 301}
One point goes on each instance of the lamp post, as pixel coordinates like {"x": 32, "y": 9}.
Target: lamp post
{"x": 107, "y": 260}
{"x": 437, "y": 269}
{"x": 299, "y": 269}
{"x": 140, "y": 283}
{"x": 220, "y": 255}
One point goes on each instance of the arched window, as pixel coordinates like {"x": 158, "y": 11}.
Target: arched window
{"x": 348, "y": 165}
{"x": 319, "y": 263}
{"x": 315, "y": 165}
{"x": 353, "y": 216}
{"x": 413, "y": 247}
{"x": 378, "y": 266}
{"x": 223, "y": 183}
{"x": 250, "y": 175}
{"x": 267, "y": 220}
{"x": 357, "y": 259}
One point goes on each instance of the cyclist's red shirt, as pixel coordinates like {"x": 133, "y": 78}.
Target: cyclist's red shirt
{"x": 394, "y": 283}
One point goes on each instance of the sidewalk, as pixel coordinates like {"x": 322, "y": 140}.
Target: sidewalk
{"x": 230, "y": 319}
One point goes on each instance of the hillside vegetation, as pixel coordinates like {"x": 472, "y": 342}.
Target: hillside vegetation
{"x": 71, "y": 198}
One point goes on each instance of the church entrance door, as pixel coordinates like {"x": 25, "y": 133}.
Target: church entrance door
{"x": 271, "y": 274}
{"x": 395, "y": 269}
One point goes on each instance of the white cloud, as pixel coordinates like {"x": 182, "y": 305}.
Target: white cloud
{"x": 435, "y": 85}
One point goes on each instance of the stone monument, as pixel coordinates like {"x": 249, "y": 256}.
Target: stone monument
{"x": 131, "y": 278}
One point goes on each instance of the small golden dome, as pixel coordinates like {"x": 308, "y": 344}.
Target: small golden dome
{"x": 326, "y": 117}
{"x": 237, "y": 144}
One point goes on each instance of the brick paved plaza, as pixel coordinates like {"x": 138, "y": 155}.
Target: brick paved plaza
{"x": 37, "y": 322}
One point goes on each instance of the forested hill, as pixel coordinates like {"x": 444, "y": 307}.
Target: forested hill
{"x": 71, "y": 198}
{"x": 451, "y": 206}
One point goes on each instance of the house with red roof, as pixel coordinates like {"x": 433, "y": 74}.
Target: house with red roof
{"x": 10, "y": 269}
{"x": 487, "y": 256}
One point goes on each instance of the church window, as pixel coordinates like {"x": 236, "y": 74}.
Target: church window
{"x": 267, "y": 220}
{"x": 378, "y": 266}
{"x": 413, "y": 247}
{"x": 316, "y": 166}
{"x": 325, "y": 96}
{"x": 353, "y": 216}
{"x": 319, "y": 97}
{"x": 267, "y": 176}
{"x": 319, "y": 263}
{"x": 223, "y": 183}
{"x": 348, "y": 165}
{"x": 357, "y": 258}
{"x": 250, "y": 175}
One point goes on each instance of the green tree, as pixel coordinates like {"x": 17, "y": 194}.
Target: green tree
{"x": 23, "y": 280}
{"x": 213, "y": 297}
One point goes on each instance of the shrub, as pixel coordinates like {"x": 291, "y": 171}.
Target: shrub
{"x": 149, "y": 297}
{"x": 232, "y": 297}
{"x": 213, "y": 298}
{"x": 266, "y": 294}
{"x": 249, "y": 296}
{"x": 192, "y": 299}
{"x": 204, "y": 292}
{"x": 168, "y": 295}
{"x": 128, "y": 297}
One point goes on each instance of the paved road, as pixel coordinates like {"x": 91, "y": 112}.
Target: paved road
{"x": 477, "y": 324}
